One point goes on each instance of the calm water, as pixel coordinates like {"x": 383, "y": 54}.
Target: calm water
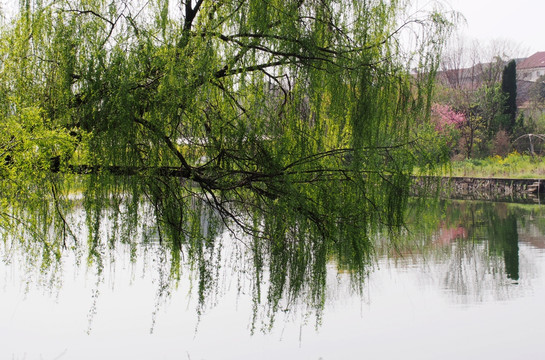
{"x": 466, "y": 281}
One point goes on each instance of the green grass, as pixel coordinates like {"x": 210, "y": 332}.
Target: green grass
{"x": 514, "y": 165}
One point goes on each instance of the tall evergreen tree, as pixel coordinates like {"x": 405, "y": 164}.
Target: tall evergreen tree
{"x": 509, "y": 88}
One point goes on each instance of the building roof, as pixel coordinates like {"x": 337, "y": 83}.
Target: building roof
{"x": 535, "y": 61}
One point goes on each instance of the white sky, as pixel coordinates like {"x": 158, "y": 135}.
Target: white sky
{"x": 520, "y": 22}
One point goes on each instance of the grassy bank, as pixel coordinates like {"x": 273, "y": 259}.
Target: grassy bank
{"x": 515, "y": 165}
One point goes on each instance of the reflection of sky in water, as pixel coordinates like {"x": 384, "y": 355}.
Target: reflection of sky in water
{"x": 455, "y": 303}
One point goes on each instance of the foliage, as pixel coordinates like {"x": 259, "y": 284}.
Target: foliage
{"x": 290, "y": 124}
{"x": 514, "y": 165}
{"x": 483, "y": 110}
{"x": 509, "y": 88}
{"x": 29, "y": 142}
{"x": 444, "y": 117}
{"x": 446, "y": 128}
{"x": 485, "y": 92}
{"x": 491, "y": 103}
{"x": 537, "y": 93}
{"x": 501, "y": 143}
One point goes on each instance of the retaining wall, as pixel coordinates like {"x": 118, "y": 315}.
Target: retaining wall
{"x": 481, "y": 188}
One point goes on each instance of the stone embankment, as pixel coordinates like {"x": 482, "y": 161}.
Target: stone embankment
{"x": 482, "y": 188}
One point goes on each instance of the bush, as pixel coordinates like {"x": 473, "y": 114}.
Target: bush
{"x": 501, "y": 144}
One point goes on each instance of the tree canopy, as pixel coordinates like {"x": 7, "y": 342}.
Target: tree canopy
{"x": 295, "y": 122}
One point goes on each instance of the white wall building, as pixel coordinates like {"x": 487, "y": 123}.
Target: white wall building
{"x": 532, "y": 68}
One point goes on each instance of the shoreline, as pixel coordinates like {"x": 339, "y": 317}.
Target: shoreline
{"x": 475, "y": 188}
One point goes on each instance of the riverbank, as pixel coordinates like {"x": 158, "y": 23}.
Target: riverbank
{"x": 481, "y": 188}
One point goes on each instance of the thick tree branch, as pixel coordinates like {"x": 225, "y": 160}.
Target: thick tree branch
{"x": 90, "y": 12}
{"x": 226, "y": 72}
{"x": 168, "y": 142}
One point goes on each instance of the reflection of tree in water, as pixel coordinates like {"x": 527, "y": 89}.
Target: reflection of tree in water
{"x": 484, "y": 264}
{"x": 503, "y": 240}
{"x": 475, "y": 250}
{"x": 471, "y": 249}
{"x": 100, "y": 225}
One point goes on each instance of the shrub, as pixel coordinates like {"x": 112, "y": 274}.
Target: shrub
{"x": 501, "y": 144}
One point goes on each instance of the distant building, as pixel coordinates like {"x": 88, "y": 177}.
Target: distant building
{"x": 530, "y": 75}
{"x": 524, "y": 90}
{"x": 532, "y": 68}
{"x": 472, "y": 78}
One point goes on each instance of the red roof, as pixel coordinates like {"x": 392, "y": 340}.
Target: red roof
{"x": 535, "y": 61}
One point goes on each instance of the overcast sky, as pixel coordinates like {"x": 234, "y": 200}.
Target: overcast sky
{"x": 520, "y": 22}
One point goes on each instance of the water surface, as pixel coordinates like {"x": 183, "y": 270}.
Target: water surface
{"x": 465, "y": 281}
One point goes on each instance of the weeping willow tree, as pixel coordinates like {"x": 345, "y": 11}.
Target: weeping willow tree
{"x": 293, "y": 124}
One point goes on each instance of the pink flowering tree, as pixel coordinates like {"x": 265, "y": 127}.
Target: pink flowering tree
{"x": 452, "y": 126}
{"x": 445, "y": 118}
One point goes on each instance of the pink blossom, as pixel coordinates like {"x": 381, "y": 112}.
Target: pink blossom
{"x": 443, "y": 116}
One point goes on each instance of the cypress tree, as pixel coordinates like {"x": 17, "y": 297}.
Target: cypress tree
{"x": 509, "y": 88}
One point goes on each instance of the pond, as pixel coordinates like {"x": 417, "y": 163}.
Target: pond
{"x": 464, "y": 280}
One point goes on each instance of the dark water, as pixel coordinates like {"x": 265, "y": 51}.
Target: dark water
{"x": 465, "y": 280}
